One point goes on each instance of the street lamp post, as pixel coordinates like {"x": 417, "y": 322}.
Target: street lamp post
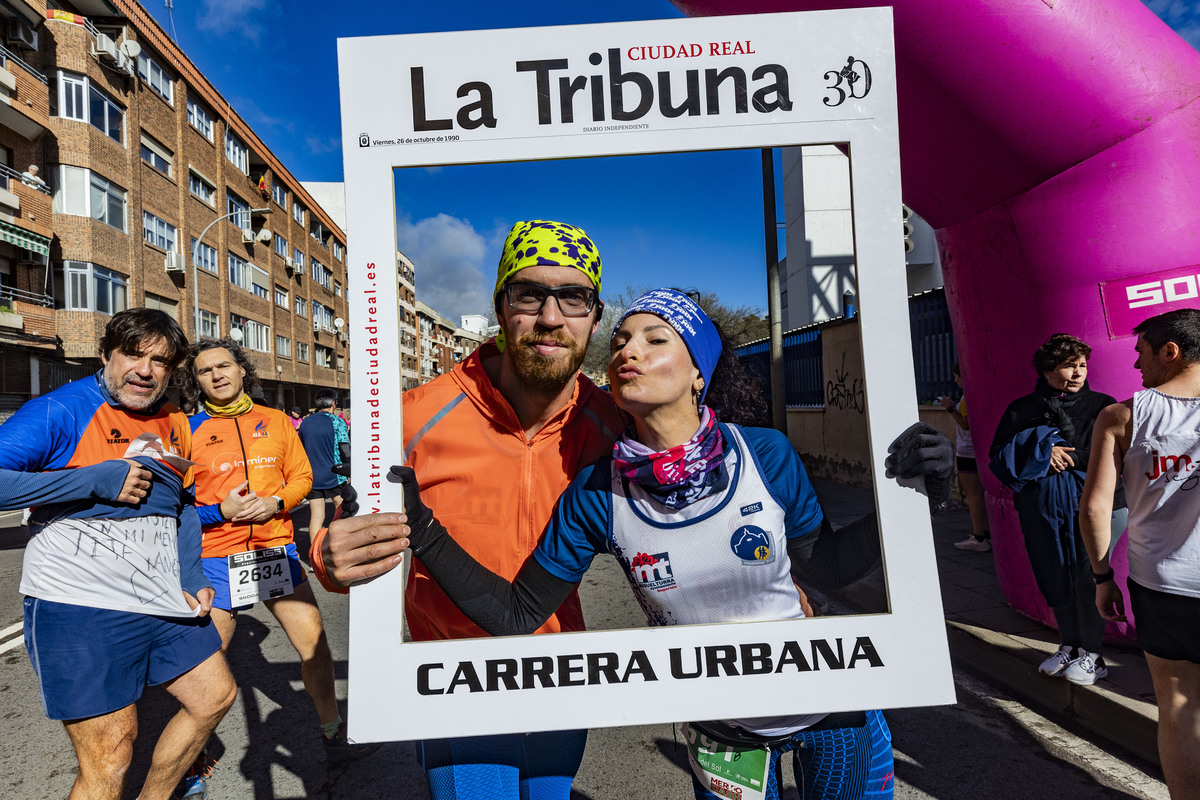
{"x": 195, "y": 268}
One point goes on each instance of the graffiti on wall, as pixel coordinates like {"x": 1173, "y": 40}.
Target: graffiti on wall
{"x": 843, "y": 393}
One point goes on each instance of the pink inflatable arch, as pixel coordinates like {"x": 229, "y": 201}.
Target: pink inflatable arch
{"x": 1055, "y": 146}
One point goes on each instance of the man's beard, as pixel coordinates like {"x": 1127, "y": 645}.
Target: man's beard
{"x": 545, "y": 374}
{"x": 116, "y": 386}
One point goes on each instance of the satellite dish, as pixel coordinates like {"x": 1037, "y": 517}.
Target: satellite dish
{"x": 339, "y": 323}
{"x": 131, "y": 48}
{"x": 264, "y": 236}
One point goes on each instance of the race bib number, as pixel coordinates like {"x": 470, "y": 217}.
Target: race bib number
{"x": 259, "y": 575}
{"x": 728, "y": 770}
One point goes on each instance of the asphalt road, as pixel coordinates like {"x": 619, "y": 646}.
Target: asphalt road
{"x": 986, "y": 746}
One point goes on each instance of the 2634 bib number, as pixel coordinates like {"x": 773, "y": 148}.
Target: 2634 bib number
{"x": 259, "y": 575}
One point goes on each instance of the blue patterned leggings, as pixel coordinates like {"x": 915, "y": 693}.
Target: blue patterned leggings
{"x": 833, "y": 764}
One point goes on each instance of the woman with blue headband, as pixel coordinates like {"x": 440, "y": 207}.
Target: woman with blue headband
{"x": 680, "y": 474}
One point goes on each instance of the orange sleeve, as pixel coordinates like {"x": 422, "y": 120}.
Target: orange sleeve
{"x": 317, "y": 561}
{"x": 297, "y": 472}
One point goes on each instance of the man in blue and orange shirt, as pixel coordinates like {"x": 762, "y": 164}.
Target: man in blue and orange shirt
{"x": 115, "y": 598}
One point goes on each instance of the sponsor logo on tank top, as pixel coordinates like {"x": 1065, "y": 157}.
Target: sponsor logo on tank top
{"x": 753, "y": 508}
{"x": 653, "y": 571}
{"x": 752, "y": 545}
{"x": 1173, "y": 469}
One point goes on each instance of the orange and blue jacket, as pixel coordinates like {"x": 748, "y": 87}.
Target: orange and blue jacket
{"x": 61, "y": 455}
{"x": 493, "y": 487}
{"x": 261, "y": 447}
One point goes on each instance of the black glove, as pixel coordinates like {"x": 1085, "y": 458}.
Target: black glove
{"x": 349, "y": 505}
{"x": 923, "y": 452}
{"x": 420, "y": 518}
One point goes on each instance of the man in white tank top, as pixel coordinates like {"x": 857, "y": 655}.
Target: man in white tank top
{"x": 1152, "y": 442}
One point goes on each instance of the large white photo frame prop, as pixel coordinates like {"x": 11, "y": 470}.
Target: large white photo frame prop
{"x": 493, "y": 96}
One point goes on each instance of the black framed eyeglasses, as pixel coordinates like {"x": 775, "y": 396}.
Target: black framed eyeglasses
{"x": 573, "y": 301}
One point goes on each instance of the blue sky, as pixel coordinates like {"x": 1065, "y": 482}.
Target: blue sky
{"x": 655, "y": 219}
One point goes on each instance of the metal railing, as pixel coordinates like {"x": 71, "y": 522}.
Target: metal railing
{"x": 7, "y": 174}
{"x": 803, "y": 363}
{"x": 803, "y": 366}
{"x": 8, "y": 55}
{"x": 8, "y": 294}
{"x": 933, "y": 345}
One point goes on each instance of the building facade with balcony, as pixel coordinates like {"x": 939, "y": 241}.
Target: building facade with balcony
{"x": 473, "y": 330}
{"x": 435, "y": 343}
{"x": 406, "y": 291}
{"x": 152, "y": 191}
{"x": 28, "y": 341}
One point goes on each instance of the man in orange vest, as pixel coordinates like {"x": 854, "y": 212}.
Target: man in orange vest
{"x": 494, "y": 443}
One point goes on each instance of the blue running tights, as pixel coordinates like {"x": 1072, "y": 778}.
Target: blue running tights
{"x": 521, "y": 766}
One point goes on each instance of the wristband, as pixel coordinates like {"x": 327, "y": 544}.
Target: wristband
{"x": 1103, "y": 577}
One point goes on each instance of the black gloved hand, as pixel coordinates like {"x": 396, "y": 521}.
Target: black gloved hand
{"x": 420, "y": 518}
{"x": 923, "y": 452}
{"x": 349, "y": 505}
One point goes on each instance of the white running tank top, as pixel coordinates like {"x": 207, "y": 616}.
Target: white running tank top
{"x": 1162, "y": 484}
{"x": 722, "y": 559}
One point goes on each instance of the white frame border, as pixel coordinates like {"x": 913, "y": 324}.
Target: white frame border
{"x": 384, "y": 700}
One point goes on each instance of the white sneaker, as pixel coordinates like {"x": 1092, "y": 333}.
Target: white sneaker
{"x": 1086, "y": 670}
{"x": 1056, "y": 663}
{"x": 974, "y": 545}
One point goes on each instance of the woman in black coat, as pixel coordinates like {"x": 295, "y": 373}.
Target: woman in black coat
{"x": 1045, "y": 438}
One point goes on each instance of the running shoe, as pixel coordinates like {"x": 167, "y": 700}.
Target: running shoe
{"x": 1086, "y": 670}
{"x": 340, "y": 749}
{"x": 974, "y": 545}
{"x": 194, "y": 785}
{"x": 1057, "y": 662}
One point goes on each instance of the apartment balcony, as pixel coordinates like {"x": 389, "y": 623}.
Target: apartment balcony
{"x": 24, "y": 210}
{"x": 27, "y": 319}
{"x": 24, "y": 96}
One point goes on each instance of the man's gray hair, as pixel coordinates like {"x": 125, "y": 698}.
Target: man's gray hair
{"x": 326, "y": 399}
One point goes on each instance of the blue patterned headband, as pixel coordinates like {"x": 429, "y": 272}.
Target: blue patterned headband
{"x": 682, "y": 313}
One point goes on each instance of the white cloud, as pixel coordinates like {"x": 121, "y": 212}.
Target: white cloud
{"x": 236, "y": 17}
{"x": 321, "y": 145}
{"x": 453, "y": 263}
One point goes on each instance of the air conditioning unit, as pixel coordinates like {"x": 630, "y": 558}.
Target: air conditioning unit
{"x": 176, "y": 262}
{"x": 316, "y": 326}
{"x": 247, "y": 236}
{"x": 106, "y": 49}
{"x": 22, "y": 35}
{"x": 125, "y": 64}
{"x": 288, "y": 262}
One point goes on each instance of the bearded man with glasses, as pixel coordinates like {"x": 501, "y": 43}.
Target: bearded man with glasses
{"x": 495, "y": 443}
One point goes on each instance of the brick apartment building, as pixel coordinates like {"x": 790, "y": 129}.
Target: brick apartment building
{"x": 436, "y": 343}
{"x": 406, "y": 277}
{"x": 139, "y": 163}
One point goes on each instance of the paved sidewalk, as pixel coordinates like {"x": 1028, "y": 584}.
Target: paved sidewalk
{"x": 988, "y": 637}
